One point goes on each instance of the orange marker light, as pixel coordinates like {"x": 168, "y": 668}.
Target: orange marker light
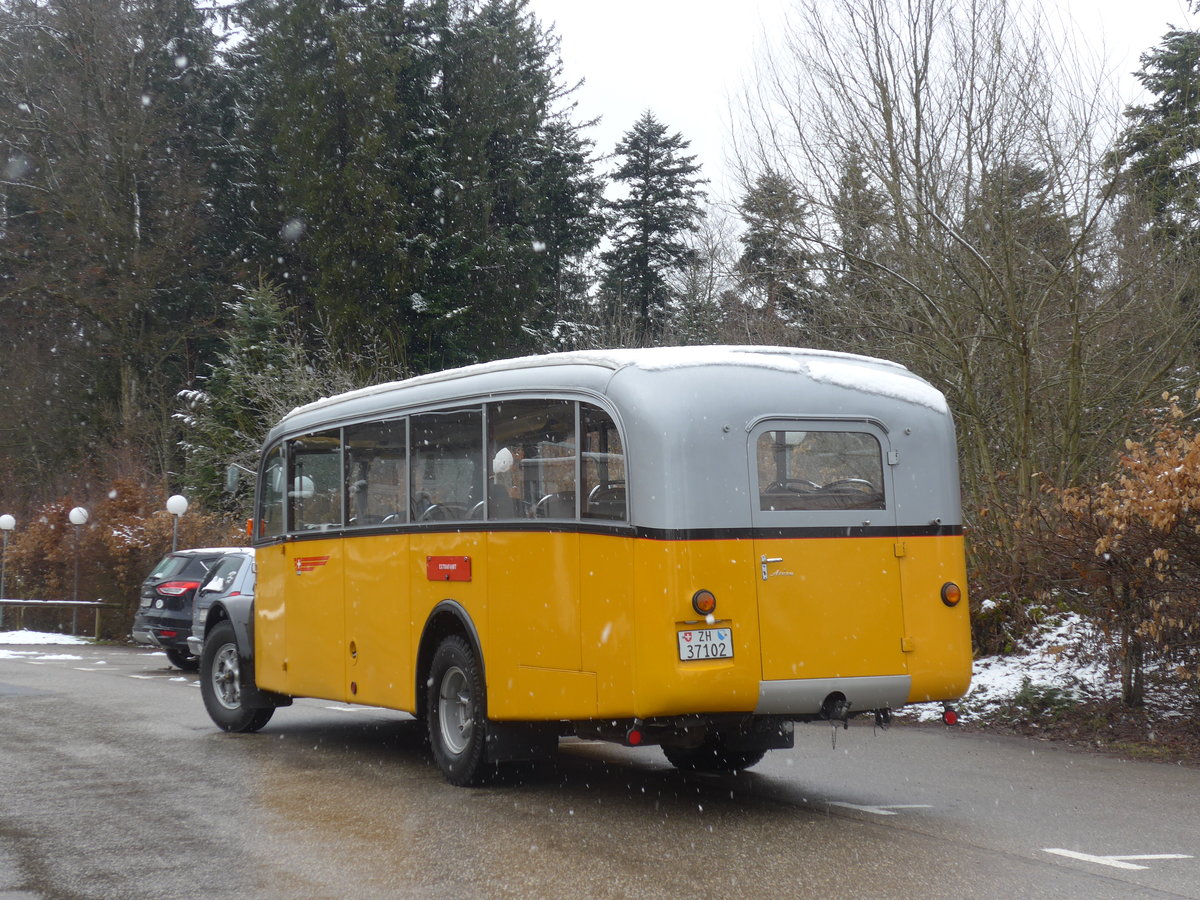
{"x": 704, "y": 603}
{"x": 951, "y": 593}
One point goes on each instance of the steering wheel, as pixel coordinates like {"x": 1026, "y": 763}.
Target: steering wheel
{"x": 436, "y": 512}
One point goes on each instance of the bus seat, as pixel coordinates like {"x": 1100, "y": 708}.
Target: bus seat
{"x": 560, "y": 505}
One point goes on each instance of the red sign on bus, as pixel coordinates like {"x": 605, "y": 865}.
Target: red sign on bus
{"x": 448, "y": 568}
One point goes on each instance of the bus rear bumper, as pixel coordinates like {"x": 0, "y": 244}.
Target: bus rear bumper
{"x": 816, "y": 696}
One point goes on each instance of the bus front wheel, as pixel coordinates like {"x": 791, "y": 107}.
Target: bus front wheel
{"x": 455, "y": 712}
{"x": 221, "y": 683}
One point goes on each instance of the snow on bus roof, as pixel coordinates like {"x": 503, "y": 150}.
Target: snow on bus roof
{"x": 860, "y": 373}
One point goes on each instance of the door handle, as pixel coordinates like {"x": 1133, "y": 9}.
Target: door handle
{"x": 768, "y": 559}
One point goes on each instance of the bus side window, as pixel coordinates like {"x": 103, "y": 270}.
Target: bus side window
{"x": 603, "y": 466}
{"x": 815, "y": 470}
{"x": 314, "y": 484}
{"x": 376, "y": 474}
{"x": 447, "y": 465}
{"x": 531, "y": 453}
{"x": 270, "y": 510}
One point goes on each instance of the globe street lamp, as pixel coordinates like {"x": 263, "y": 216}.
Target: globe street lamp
{"x": 177, "y": 505}
{"x": 78, "y": 516}
{"x": 7, "y": 524}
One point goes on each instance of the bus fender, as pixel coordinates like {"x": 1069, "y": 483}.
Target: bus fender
{"x": 239, "y": 612}
{"x": 447, "y": 618}
{"x": 505, "y": 741}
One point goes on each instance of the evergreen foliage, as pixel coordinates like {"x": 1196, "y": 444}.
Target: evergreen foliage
{"x": 410, "y": 173}
{"x": 105, "y": 116}
{"x": 1159, "y": 150}
{"x": 776, "y": 264}
{"x": 662, "y": 205}
{"x": 263, "y": 370}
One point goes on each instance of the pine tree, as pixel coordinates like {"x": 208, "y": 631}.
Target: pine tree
{"x": 776, "y": 264}
{"x": 568, "y": 227}
{"x": 1159, "y": 146}
{"x": 661, "y": 207}
{"x": 263, "y": 369}
{"x": 332, "y": 193}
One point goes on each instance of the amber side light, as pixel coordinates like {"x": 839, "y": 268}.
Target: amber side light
{"x": 704, "y": 603}
{"x": 951, "y": 593}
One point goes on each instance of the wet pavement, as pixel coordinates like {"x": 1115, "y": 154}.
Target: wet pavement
{"x": 115, "y": 784}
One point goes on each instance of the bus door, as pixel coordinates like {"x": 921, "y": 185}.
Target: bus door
{"x": 314, "y": 591}
{"x": 825, "y": 550}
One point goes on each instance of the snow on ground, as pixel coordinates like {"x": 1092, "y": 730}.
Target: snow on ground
{"x": 39, "y": 637}
{"x": 1060, "y": 657}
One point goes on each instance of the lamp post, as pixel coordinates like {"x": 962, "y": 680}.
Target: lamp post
{"x": 7, "y": 524}
{"x": 78, "y": 516}
{"x": 177, "y": 505}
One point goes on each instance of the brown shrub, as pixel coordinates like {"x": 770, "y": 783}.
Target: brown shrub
{"x": 128, "y": 531}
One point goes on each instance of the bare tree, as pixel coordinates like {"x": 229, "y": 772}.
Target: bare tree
{"x": 951, "y": 158}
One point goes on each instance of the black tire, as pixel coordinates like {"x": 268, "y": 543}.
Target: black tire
{"x": 222, "y": 683}
{"x": 181, "y": 659}
{"x": 712, "y": 756}
{"x": 455, "y": 713}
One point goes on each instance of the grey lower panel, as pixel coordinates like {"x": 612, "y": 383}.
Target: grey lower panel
{"x": 804, "y": 696}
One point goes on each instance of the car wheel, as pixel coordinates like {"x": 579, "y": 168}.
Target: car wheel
{"x": 455, "y": 713}
{"x": 221, "y": 683}
{"x": 181, "y": 659}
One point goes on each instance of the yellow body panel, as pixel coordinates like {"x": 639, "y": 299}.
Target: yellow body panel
{"x": 830, "y": 608}
{"x": 579, "y": 626}
{"x": 667, "y": 574}
{"x": 379, "y": 622}
{"x": 937, "y": 638}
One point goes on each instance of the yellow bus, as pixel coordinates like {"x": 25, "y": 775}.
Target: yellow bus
{"x": 693, "y": 547}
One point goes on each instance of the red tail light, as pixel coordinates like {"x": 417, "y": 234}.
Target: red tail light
{"x": 175, "y": 588}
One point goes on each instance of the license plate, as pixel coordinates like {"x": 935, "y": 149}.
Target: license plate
{"x": 705, "y": 643}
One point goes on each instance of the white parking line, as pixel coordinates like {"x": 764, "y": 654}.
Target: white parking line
{"x": 881, "y": 810}
{"x": 1116, "y": 862}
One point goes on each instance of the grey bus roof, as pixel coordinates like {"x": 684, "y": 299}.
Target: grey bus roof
{"x": 687, "y": 413}
{"x": 593, "y": 369}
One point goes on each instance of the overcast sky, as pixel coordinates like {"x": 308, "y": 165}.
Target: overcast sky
{"x": 684, "y": 59}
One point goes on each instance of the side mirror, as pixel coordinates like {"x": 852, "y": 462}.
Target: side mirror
{"x": 233, "y": 476}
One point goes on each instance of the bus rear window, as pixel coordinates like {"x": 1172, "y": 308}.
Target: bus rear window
{"x": 815, "y": 470}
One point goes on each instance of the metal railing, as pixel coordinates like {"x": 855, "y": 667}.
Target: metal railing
{"x": 73, "y": 605}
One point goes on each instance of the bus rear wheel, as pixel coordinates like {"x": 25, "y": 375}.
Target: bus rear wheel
{"x": 454, "y": 713}
{"x": 712, "y": 756}
{"x": 221, "y": 683}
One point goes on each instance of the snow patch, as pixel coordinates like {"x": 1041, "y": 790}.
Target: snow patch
{"x": 1055, "y": 660}
{"x": 39, "y": 637}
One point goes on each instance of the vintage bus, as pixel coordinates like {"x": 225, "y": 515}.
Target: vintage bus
{"x": 693, "y": 547}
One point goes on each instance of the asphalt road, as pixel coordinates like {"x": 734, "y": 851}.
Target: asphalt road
{"x": 114, "y": 784}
